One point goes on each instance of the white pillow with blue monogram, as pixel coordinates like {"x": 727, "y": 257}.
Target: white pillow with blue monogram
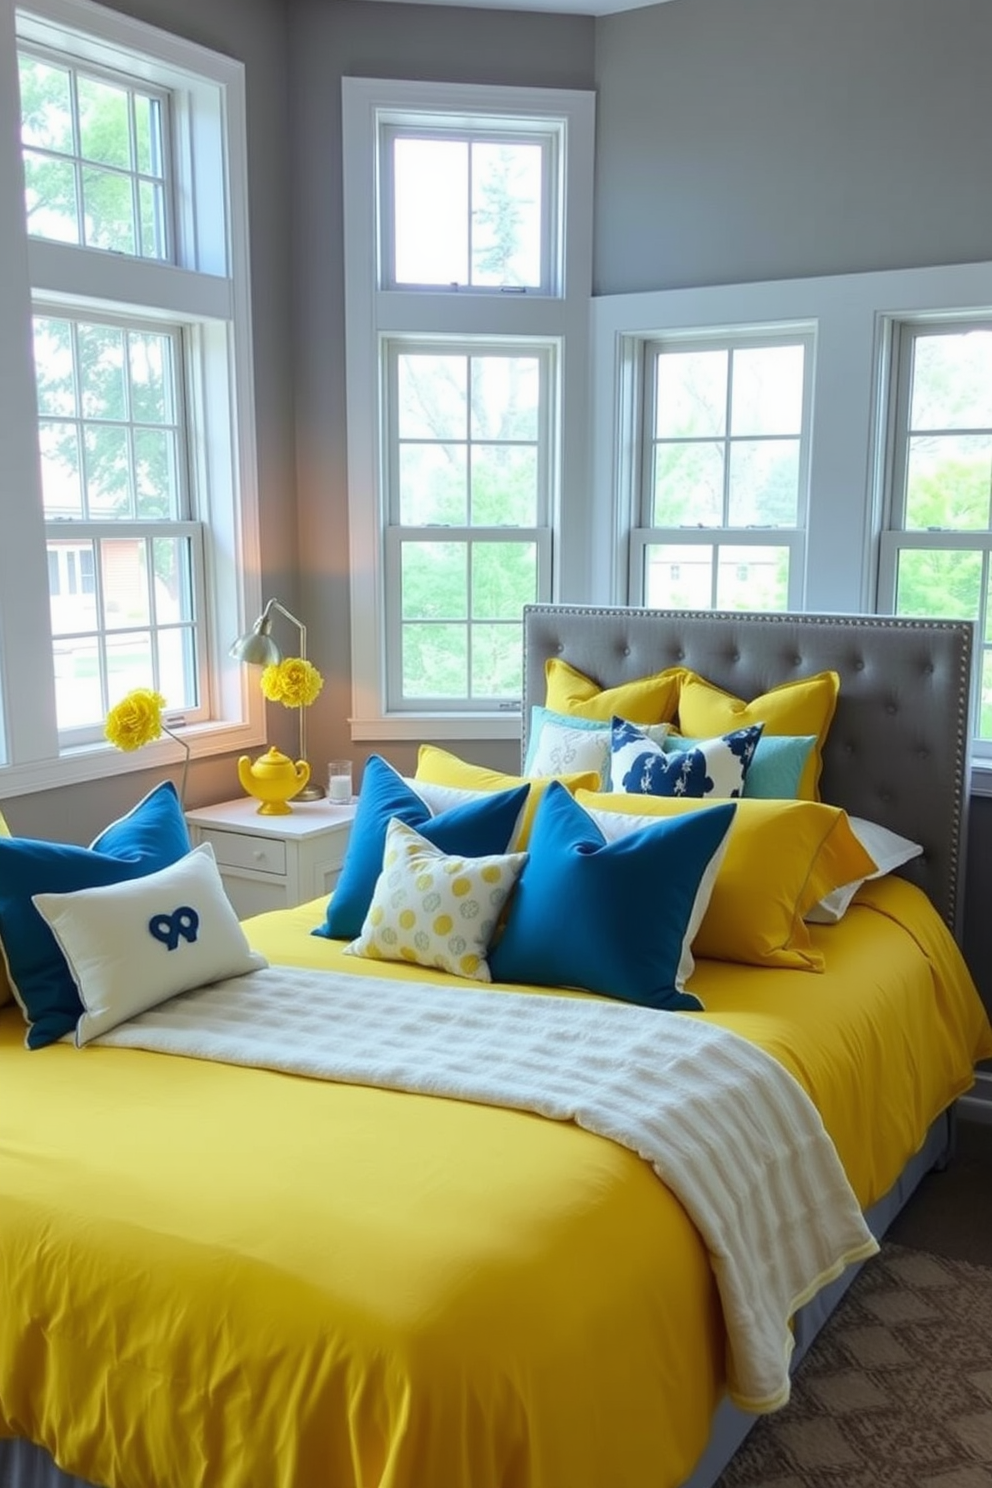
{"x": 559, "y": 744}
{"x": 132, "y": 945}
{"x": 713, "y": 768}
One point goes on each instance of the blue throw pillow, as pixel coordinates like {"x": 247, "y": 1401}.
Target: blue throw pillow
{"x": 479, "y": 828}
{"x": 150, "y": 837}
{"x": 617, "y": 917}
{"x": 710, "y": 767}
{"x": 776, "y": 769}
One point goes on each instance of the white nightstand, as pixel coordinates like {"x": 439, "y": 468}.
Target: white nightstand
{"x": 274, "y": 862}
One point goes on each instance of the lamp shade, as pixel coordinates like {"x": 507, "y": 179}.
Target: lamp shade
{"x": 257, "y": 648}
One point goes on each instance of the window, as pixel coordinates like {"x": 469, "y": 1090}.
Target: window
{"x": 724, "y": 473}
{"x": 936, "y": 551}
{"x": 133, "y": 488}
{"x": 467, "y": 261}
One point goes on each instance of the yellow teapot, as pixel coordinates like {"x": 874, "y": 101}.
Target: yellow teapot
{"x": 272, "y": 779}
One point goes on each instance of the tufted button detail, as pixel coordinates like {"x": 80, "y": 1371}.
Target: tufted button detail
{"x": 859, "y": 665}
{"x": 626, "y": 650}
{"x": 680, "y": 654}
{"x": 891, "y": 708}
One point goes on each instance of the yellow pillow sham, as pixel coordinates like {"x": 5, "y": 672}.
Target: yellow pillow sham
{"x": 653, "y": 699}
{"x": 805, "y": 706}
{"x": 437, "y": 767}
{"x": 781, "y": 858}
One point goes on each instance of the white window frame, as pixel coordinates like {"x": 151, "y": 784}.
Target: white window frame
{"x": 644, "y": 534}
{"x": 895, "y": 538}
{"x": 374, "y": 315}
{"x": 851, "y": 316}
{"x": 206, "y": 291}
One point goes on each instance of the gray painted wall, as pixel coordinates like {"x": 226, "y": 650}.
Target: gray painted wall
{"x": 765, "y": 139}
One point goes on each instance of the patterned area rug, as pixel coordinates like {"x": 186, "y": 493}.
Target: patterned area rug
{"x": 895, "y": 1393}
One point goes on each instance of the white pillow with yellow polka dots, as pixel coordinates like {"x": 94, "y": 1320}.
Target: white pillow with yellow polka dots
{"x": 433, "y": 909}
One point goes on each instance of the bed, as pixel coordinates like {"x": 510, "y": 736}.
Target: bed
{"x": 357, "y": 1285}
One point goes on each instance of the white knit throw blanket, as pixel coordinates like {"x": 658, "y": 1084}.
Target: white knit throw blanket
{"x": 728, "y": 1129}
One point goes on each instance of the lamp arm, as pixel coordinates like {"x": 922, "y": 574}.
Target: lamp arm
{"x": 265, "y": 625}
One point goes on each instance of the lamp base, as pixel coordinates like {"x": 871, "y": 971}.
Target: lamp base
{"x": 310, "y": 792}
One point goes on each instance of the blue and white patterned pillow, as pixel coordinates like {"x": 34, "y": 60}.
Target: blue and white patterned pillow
{"x": 559, "y": 744}
{"x": 715, "y": 767}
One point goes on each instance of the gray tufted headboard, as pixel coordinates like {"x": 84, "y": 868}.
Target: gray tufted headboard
{"x": 897, "y": 751}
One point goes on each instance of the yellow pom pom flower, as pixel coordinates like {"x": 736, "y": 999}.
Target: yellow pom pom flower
{"x": 136, "y": 720}
{"x": 294, "y": 682}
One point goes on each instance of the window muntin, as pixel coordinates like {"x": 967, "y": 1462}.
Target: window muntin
{"x": 468, "y": 209}
{"x": 724, "y": 451}
{"x": 936, "y": 556}
{"x": 94, "y": 148}
{"x": 470, "y": 431}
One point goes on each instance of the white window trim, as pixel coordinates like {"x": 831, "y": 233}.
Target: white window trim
{"x": 371, "y": 313}
{"x": 214, "y": 302}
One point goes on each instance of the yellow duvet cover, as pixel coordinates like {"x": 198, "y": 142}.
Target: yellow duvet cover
{"x": 217, "y": 1277}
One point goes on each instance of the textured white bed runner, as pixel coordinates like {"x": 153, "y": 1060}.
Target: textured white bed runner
{"x": 722, "y": 1123}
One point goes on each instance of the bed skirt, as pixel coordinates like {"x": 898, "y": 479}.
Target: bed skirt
{"x": 24, "y": 1465}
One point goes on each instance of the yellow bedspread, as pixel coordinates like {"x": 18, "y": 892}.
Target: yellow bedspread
{"x": 215, "y": 1277}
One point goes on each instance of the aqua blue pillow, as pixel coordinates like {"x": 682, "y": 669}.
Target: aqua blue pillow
{"x": 616, "y": 918}
{"x": 150, "y": 837}
{"x": 479, "y": 828}
{"x": 776, "y": 767}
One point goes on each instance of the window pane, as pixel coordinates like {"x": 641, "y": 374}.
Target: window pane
{"x": 504, "y": 486}
{"x": 101, "y": 372}
{"x": 948, "y": 482}
{"x": 985, "y": 701}
{"x": 151, "y": 206}
{"x": 50, "y": 198}
{"x": 124, "y": 571}
{"x": 46, "y": 107}
{"x": 148, "y": 135}
{"x": 129, "y": 665}
{"x": 506, "y": 214}
{"x": 430, "y": 211}
{"x": 751, "y": 578}
{"x": 691, "y": 397}
{"x": 61, "y": 487}
{"x": 435, "y": 580}
{"x": 177, "y": 669}
{"x": 497, "y": 661}
{"x": 108, "y": 211}
{"x": 764, "y": 483}
{"x": 108, "y": 486}
{"x": 155, "y": 484}
{"x": 506, "y": 397}
{"x": 767, "y": 393}
{"x": 78, "y": 690}
{"x": 104, "y": 128}
{"x": 433, "y": 396}
{"x": 53, "y": 366}
{"x": 688, "y": 486}
{"x": 938, "y": 584}
{"x": 433, "y": 485}
{"x": 678, "y": 577}
{"x": 70, "y": 586}
{"x": 504, "y": 579}
{"x": 952, "y": 381}
{"x": 173, "y": 562}
{"x": 435, "y": 661}
{"x": 150, "y": 373}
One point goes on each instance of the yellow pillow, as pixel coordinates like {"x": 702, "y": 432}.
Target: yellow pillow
{"x": 437, "y": 767}
{"x": 781, "y": 858}
{"x": 5, "y": 993}
{"x": 805, "y": 706}
{"x": 653, "y": 699}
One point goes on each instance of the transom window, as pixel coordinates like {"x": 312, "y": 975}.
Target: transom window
{"x": 724, "y": 475}
{"x": 468, "y": 209}
{"x": 95, "y": 152}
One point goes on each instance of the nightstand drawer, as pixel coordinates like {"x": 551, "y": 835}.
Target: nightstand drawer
{"x": 240, "y": 850}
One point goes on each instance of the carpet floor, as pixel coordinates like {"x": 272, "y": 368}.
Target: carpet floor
{"x": 897, "y": 1390}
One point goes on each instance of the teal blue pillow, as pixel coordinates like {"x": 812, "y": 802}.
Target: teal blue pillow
{"x": 150, "y": 837}
{"x": 616, "y": 918}
{"x": 480, "y": 828}
{"x": 776, "y": 766}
